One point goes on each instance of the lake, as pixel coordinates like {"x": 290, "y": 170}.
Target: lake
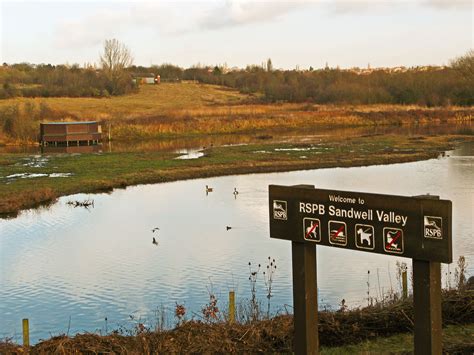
{"x": 67, "y": 269}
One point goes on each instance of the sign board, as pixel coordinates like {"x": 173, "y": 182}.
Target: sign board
{"x": 412, "y": 227}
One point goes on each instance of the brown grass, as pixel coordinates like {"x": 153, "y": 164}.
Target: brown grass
{"x": 274, "y": 335}
{"x": 244, "y": 119}
{"x": 11, "y": 204}
{"x": 198, "y": 109}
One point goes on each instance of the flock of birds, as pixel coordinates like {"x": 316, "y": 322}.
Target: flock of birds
{"x": 208, "y": 190}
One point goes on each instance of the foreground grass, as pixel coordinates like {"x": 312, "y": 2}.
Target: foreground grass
{"x": 100, "y": 172}
{"x": 377, "y": 329}
{"x": 456, "y": 339}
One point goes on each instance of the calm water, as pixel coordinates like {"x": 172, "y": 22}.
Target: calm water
{"x": 68, "y": 267}
{"x": 293, "y": 136}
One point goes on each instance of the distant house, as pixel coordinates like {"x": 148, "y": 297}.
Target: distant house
{"x": 70, "y": 133}
{"x": 150, "y": 78}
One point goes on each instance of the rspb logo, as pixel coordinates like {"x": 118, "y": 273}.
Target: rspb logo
{"x": 433, "y": 227}
{"x": 280, "y": 210}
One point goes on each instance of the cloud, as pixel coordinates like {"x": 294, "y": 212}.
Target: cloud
{"x": 172, "y": 18}
{"x": 238, "y": 13}
{"x": 354, "y": 6}
{"x": 445, "y": 4}
{"x": 90, "y": 31}
{"x": 178, "y": 17}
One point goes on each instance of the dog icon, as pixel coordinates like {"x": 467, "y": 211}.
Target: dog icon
{"x": 364, "y": 236}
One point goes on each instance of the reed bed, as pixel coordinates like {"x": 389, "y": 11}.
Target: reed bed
{"x": 198, "y": 109}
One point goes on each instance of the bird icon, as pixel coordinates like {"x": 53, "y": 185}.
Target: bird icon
{"x": 154, "y": 241}
{"x": 155, "y": 229}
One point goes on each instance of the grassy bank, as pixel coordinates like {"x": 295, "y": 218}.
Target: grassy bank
{"x": 26, "y": 181}
{"x": 376, "y": 329}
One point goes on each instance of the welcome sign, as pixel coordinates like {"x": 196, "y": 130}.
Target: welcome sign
{"x": 413, "y": 227}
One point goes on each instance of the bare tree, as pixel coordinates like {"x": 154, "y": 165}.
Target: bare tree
{"x": 115, "y": 59}
{"x": 465, "y": 65}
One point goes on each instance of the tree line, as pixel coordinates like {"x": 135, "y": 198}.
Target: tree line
{"x": 46, "y": 80}
{"x": 429, "y": 86}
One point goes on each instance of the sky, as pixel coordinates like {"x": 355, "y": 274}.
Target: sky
{"x": 298, "y": 33}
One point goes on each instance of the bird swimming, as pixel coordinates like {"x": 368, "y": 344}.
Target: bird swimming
{"x": 208, "y": 189}
{"x": 228, "y": 227}
{"x": 235, "y": 191}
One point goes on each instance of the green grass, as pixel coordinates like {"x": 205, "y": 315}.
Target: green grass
{"x": 104, "y": 171}
{"x": 453, "y": 337}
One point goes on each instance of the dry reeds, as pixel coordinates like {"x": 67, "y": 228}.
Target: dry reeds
{"x": 190, "y": 109}
{"x": 12, "y": 203}
{"x": 272, "y": 335}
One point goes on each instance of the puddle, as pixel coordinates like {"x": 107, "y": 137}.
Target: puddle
{"x": 189, "y": 154}
{"x": 25, "y": 176}
{"x": 234, "y": 145}
{"x": 54, "y": 175}
{"x": 293, "y": 149}
{"x": 36, "y": 161}
{"x": 35, "y": 175}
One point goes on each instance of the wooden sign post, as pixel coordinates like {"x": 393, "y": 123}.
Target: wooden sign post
{"x": 305, "y": 298}
{"x": 413, "y": 227}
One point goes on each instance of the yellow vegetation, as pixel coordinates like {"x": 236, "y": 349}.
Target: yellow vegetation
{"x": 189, "y": 108}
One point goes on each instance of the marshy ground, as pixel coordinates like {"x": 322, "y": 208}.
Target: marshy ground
{"x": 264, "y": 138}
{"x": 28, "y": 180}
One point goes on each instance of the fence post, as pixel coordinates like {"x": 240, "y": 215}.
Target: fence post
{"x": 405, "y": 284}
{"x": 26, "y": 332}
{"x": 231, "y": 306}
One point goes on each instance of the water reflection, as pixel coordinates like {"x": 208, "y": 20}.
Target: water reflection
{"x": 96, "y": 148}
{"x": 91, "y": 264}
{"x": 293, "y": 136}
